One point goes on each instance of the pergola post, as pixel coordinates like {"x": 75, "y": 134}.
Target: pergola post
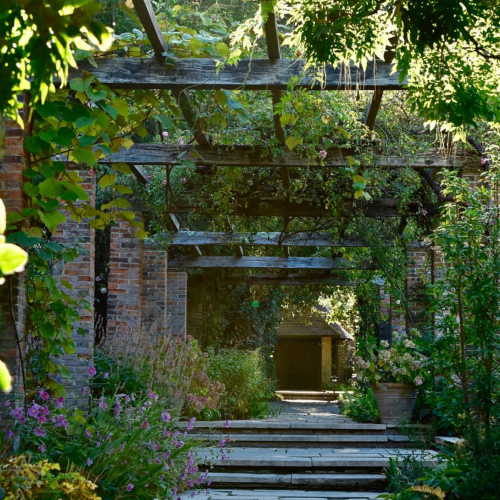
{"x": 80, "y": 274}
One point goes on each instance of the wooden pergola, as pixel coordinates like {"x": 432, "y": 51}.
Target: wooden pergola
{"x": 272, "y": 74}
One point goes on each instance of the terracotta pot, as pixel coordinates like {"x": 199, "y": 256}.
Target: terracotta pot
{"x": 395, "y": 401}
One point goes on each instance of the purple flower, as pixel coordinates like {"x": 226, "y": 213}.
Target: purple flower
{"x": 227, "y": 424}
{"x": 10, "y": 434}
{"x": 88, "y": 434}
{"x": 44, "y": 395}
{"x": 60, "y": 402}
{"x": 145, "y": 425}
{"x": 34, "y": 410}
{"x": 91, "y": 371}
{"x": 102, "y": 404}
{"x": 214, "y": 17}
{"x": 164, "y": 134}
{"x": 89, "y": 462}
{"x": 183, "y": 180}
{"x": 84, "y": 390}
{"x": 7, "y": 403}
{"x": 181, "y": 142}
{"x": 40, "y": 432}
{"x": 42, "y": 448}
{"x": 61, "y": 421}
{"x": 17, "y": 413}
{"x": 130, "y": 487}
{"x": 106, "y": 375}
{"x": 98, "y": 278}
{"x": 165, "y": 416}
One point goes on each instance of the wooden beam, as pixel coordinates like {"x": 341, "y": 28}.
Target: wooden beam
{"x": 287, "y": 279}
{"x": 272, "y": 207}
{"x": 188, "y": 238}
{"x": 255, "y": 74}
{"x": 140, "y": 173}
{"x": 265, "y": 263}
{"x": 372, "y": 108}
{"x": 148, "y": 19}
{"x": 249, "y": 156}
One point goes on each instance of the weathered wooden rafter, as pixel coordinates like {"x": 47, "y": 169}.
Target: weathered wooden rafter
{"x": 195, "y": 249}
{"x": 272, "y": 207}
{"x": 287, "y": 279}
{"x": 372, "y": 108}
{"x": 255, "y": 156}
{"x": 146, "y": 14}
{"x": 188, "y": 238}
{"x": 248, "y": 262}
{"x": 255, "y": 74}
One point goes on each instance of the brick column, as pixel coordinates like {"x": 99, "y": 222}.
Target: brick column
{"x": 176, "y": 301}
{"x": 153, "y": 303}
{"x": 80, "y": 273}
{"x": 12, "y": 292}
{"x": 124, "y": 278}
{"x": 384, "y": 328}
{"x": 419, "y": 272}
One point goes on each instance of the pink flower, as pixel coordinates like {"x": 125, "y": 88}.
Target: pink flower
{"x": 483, "y": 160}
{"x": 418, "y": 381}
{"x": 183, "y": 180}
{"x": 165, "y": 134}
{"x": 323, "y": 154}
{"x": 149, "y": 177}
{"x": 40, "y": 432}
{"x": 91, "y": 371}
{"x": 91, "y": 172}
{"x": 44, "y": 395}
{"x": 181, "y": 142}
{"x": 164, "y": 182}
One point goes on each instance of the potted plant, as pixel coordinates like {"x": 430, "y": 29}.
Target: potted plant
{"x": 394, "y": 372}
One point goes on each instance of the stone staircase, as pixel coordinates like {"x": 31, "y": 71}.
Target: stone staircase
{"x": 299, "y": 457}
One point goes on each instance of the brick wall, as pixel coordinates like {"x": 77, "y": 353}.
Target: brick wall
{"x": 80, "y": 273}
{"x": 12, "y": 293}
{"x": 141, "y": 289}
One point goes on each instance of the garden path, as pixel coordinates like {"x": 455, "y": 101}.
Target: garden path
{"x": 307, "y": 452}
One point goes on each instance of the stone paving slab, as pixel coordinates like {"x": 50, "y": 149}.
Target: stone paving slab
{"x": 311, "y": 438}
{"x": 280, "y": 495}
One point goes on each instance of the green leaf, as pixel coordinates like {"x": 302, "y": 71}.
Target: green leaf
{"x": 86, "y": 140}
{"x": 52, "y": 219}
{"x": 107, "y": 180}
{"x": 122, "y": 168}
{"x": 51, "y": 187}
{"x": 291, "y": 141}
{"x": 234, "y": 104}
{"x": 33, "y": 144}
{"x": 12, "y": 218}
{"x": 47, "y": 135}
{"x": 67, "y": 284}
{"x": 83, "y": 155}
{"x": 123, "y": 189}
{"x": 122, "y": 107}
{"x": 84, "y": 121}
{"x": 21, "y": 238}
{"x": 47, "y": 109}
{"x": 47, "y": 330}
{"x": 221, "y": 97}
{"x": 80, "y": 85}
{"x": 12, "y": 258}
{"x": 166, "y": 122}
{"x": 222, "y": 49}
{"x": 5, "y": 378}
{"x": 358, "y": 182}
{"x": 96, "y": 96}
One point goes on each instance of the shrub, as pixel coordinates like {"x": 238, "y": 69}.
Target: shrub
{"x": 175, "y": 369}
{"x": 128, "y": 445}
{"x": 247, "y": 388}
{"x": 358, "y": 403}
{"x": 21, "y": 479}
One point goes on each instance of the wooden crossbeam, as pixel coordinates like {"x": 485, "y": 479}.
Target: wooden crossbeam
{"x": 179, "y": 231}
{"x": 287, "y": 279}
{"x": 248, "y": 156}
{"x": 263, "y": 207}
{"x": 265, "y": 263}
{"x": 372, "y": 108}
{"x": 239, "y": 248}
{"x": 255, "y": 74}
{"x": 189, "y": 238}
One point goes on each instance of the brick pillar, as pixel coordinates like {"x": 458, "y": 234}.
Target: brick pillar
{"x": 80, "y": 273}
{"x": 176, "y": 301}
{"x": 124, "y": 278}
{"x": 153, "y": 290}
{"x": 12, "y": 292}
{"x": 419, "y": 272}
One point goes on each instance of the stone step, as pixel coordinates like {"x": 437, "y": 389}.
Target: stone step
{"x": 221, "y": 494}
{"x": 310, "y": 396}
{"x": 301, "y": 440}
{"x": 298, "y": 426}
{"x": 333, "y": 481}
{"x": 355, "y": 460}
